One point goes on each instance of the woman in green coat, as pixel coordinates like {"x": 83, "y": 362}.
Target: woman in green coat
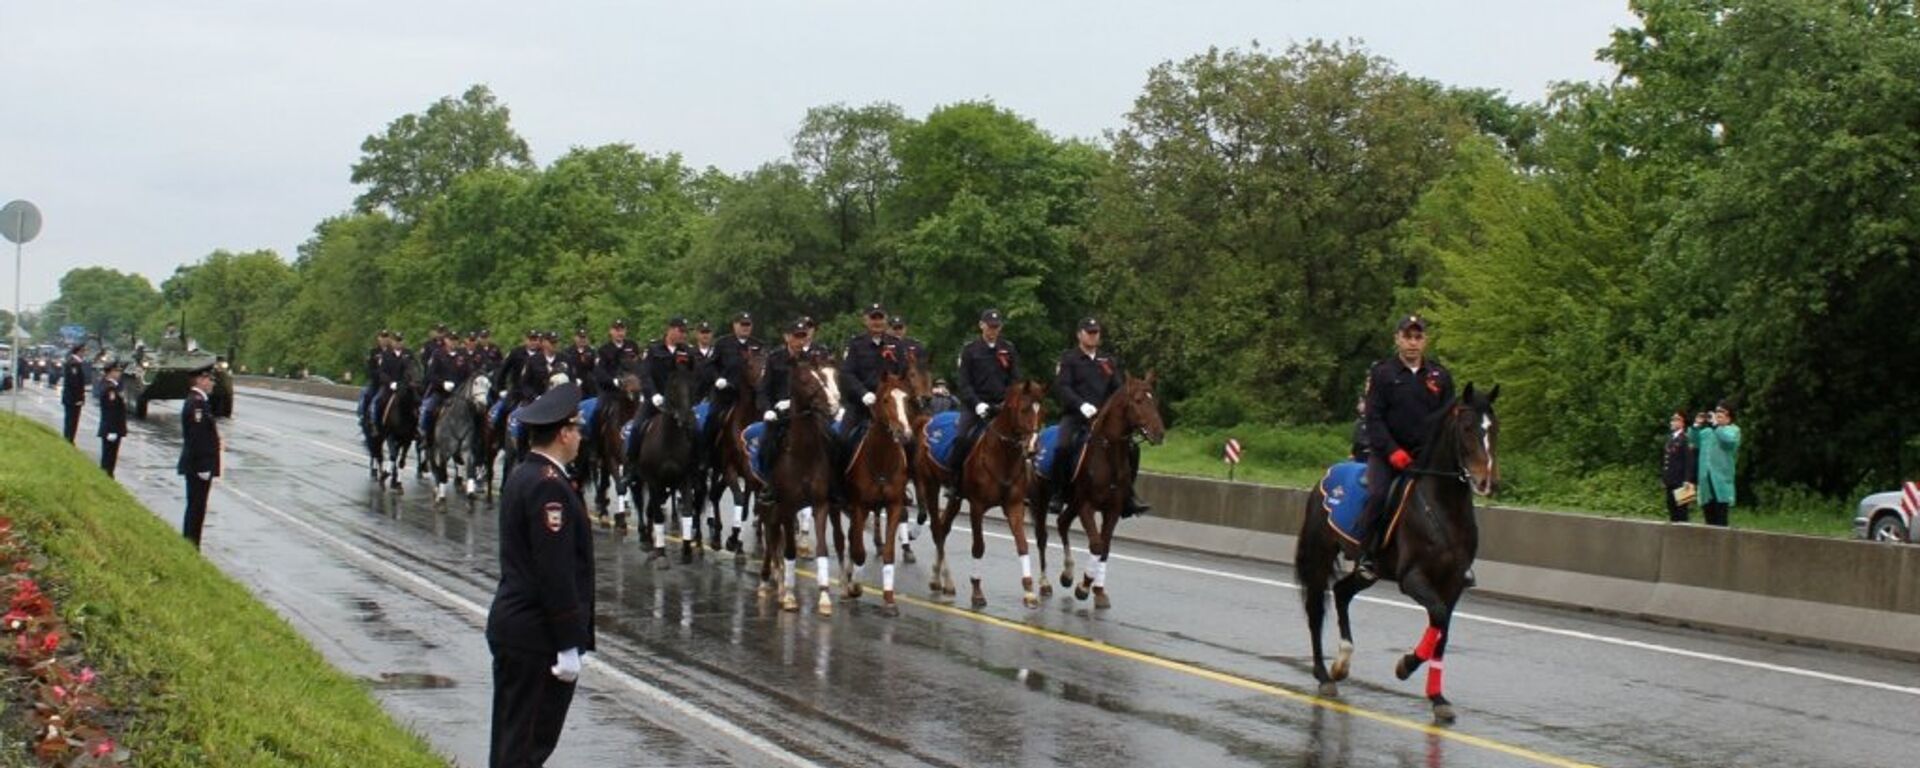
{"x": 1717, "y": 444}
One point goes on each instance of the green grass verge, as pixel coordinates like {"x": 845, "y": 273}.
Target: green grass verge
{"x": 1296, "y": 456}
{"x": 212, "y": 677}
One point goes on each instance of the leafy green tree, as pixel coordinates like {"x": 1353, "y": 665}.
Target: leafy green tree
{"x": 229, "y": 295}
{"x": 108, "y": 302}
{"x": 420, "y": 155}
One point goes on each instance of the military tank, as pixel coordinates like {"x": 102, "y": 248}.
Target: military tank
{"x": 164, "y": 374}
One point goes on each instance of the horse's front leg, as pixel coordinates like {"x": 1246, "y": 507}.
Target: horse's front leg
{"x": 1016, "y": 510}
{"x": 1109, "y": 522}
{"x": 1433, "y": 642}
{"x": 977, "y": 518}
{"x": 853, "y": 561}
{"x": 896, "y": 515}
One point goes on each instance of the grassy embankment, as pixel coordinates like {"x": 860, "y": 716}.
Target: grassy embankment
{"x": 210, "y": 676}
{"x": 1296, "y": 456}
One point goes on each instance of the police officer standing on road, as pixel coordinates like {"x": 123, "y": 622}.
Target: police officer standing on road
{"x": 541, "y": 621}
{"x": 989, "y": 365}
{"x": 113, "y": 417}
{"x": 199, "y": 451}
{"x": 73, "y": 388}
{"x": 1403, "y": 392}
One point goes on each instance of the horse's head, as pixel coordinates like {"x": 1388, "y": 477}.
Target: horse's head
{"x": 814, "y": 384}
{"x": 891, "y": 408}
{"x": 681, "y": 384}
{"x": 1477, "y": 431}
{"x": 1142, "y": 408}
{"x": 630, "y": 386}
{"x": 918, "y": 386}
{"x": 1023, "y": 413}
{"x": 477, "y": 389}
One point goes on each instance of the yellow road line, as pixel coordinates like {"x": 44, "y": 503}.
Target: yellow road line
{"x": 1224, "y": 678}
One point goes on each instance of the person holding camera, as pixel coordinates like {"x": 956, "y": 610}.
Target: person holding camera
{"x": 1717, "y": 441}
{"x": 1677, "y": 469}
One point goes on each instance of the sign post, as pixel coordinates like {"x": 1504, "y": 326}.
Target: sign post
{"x": 1231, "y": 456}
{"x": 19, "y": 223}
{"x": 1910, "y": 504}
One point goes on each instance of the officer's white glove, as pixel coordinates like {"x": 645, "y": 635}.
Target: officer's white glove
{"x": 567, "y": 665}
{"x": 446, "y": 386}
{"x": 980, "y": 410}
{"x": 1087, "y": 409}
{"x": 393, "y": 386}
{"x": 658, "y": 401}
{"x": 839, "y": 414}
{"x": 783, "y": 405}
{"x": 205, "y": 477}
{"x": 868, "y": 399}
{"x": 769, "y": 416}
{"x": 720, "y": 383}
{"x": 113, "y": 438}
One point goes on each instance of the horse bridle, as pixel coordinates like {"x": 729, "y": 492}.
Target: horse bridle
{"x": 1464, "y": 474}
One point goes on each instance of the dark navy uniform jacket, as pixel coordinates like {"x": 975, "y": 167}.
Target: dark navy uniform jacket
{"x": 1081, "y": 378}
{"x": 706, "y": 369}
{"x": 777, "y": 383}
{"x": 200, "y": 444}
{"x": 511, "y": 370}
{"x": 544, "y": 604}
{"x": 657, "y": 364}
{"x": 374, "y": 356}
{"x": 586, "y": 362}
{"x": 73, "y": 382}
{"x": 613, "y": 360}
{"x": 393, "y": 367}
{"x": 911, "y": 348}
{"x": 986, "y": 371}
{"x": 113, "y": 410}
{"x": 1401, "y": 402}
{"x": 869, "y": 358}
{"x": 730, "y": 358}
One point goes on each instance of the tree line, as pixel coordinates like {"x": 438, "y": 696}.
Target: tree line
{"x": 1732, "y": 215}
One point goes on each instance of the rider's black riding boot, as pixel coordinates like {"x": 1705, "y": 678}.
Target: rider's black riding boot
{"x": 1366, "y": 566}
{"x": 1134, "y": 506}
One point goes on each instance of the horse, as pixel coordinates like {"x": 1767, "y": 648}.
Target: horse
{"x": 919, "y": 399}
{"x": 606, "y": 448}
{"x": 391, "y": 431}
{"x": 998, "y": 470}
{"x": 460, "y": 436}
{"x": 802, "y": 479}
{"x": 1100, "y": 484}
{"x": 728, "y": 466}
{"x": 876, "y": 480}
{"x": 664, "y": 467}
{"x": 1430, "y": 545}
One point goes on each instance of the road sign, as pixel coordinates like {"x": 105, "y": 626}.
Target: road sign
{"x": 1233, "y": 451}
{"x": 73, "y": 333}
{"x": 19, "y": 222}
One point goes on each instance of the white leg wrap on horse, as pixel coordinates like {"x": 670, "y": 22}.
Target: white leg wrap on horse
{"x": 806, "y": 518}
{"x": 660, "y": 537}
{"x": 1100, "y": 573}
{"x": 823, "y": 571}
{"x": 1026, "y": 566}
{"x": 686, "y": 529}
{"x": 792, "y": 567}
{"x": 886, "y": 577}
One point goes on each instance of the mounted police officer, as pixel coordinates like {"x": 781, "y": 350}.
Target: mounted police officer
{"x": 910, "y": 348}
{"x": 989, "y": 365}
{"x": 490, "y": 356}
{"x": 512, "y": 366}
{"x": 1083, "y": 381}
{"x": 583, "y": 362}
{"x": 706, "y": 360}
{"x": 392, "y": 374}
{"x": 199, "y": 451}
{"x": 443, "y": 374}
{"x": 1404, "y": 392}
{"x": 542, "y": 618}
{"x": 374, "y": 357}
{"x": 656, "y": 365}
{"x": 73, "y": 388}
{"x": 870, "y": 357}
{"x": 113, "y": 417}
{"x": 619, "y": 355}
{"x": 731, "y": 355}
{"x": 774, "y": 397}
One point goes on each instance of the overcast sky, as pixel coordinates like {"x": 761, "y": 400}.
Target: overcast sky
{"x": 150, "y": 134}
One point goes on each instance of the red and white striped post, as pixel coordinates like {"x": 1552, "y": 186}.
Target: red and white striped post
{"x": 1231, "y": 456}
{"x": 1910, "y": 506}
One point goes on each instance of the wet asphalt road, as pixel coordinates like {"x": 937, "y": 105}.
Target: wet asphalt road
{"x": 1202, "y": 661}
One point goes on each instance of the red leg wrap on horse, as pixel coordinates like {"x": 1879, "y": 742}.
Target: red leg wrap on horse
{"x": 1434, "y": 671}
{"x": 1424, "y": 650}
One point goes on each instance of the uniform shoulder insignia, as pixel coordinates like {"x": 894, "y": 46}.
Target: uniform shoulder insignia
{"x": 556, "y": 516}
{"x": 548, "y": 473}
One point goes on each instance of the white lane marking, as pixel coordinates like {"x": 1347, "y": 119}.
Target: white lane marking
{"x": 1511, "y": 624}
{"x": 449, "y": 597}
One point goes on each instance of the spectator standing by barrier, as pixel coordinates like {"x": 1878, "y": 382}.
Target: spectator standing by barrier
{"x": 1677, "y": 467}
{"x": 1718, "y": 443}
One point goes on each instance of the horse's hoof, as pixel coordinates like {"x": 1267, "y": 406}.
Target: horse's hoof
{"x": 824, "y": 606}
{"x": 1443, "y": 714}
{"x": 764, "y": 590}
{"x": 789, "y": 604}
{"x": 1046, "y": 590}
{"x": 1066, "y": 577}
{"x": 1404, "y": 668}
{"x": 1100, "y": 601}
{"x": 1339, "y": 670}
{"x": 934, "y": 587}
{"x": 1329, "y": 691}
{"x": 906, "y": 555}
{"x": 979, "y": 600}
{"x": 853, "y": 590}
{"x": 889, "y": 610}
{"x": 1081, "y": 593}
{"x": 1030, "y": 600}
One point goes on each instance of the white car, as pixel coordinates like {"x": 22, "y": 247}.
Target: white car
{"x": 1880, "y": 518}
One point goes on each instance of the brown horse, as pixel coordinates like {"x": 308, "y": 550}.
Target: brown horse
{"x": 998, "y": 471}
{"x": 876, "y": 480}
{"x": 802, "y": 477}
{"x": 607, "y": 448}
{"x": 1101, "y": 484}
{"x": 729, "y": 468}
{"x": 1431, "y": 544}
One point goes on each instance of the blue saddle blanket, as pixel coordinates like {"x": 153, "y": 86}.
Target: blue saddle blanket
{"x": 753, "y": 437}
{"x": 589, "y": 408}
{"x": 941, "y": 431}
{"x": 700, "y": 411}
{"x": 1049, "y": 445}
{"x": 1344, "y": 490}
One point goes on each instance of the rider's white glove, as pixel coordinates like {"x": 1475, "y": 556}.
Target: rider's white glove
{"x": 720, "y": 383}
{"x": 980, "y": 410}
{"x": 567, "y": 665}
{"x": 659, "y": 401}
{"x": 868, "y": 399}
{"x": 769, "y": 416}
{"x": 446, "y": 386}
{"x": 1087, "y": 409}
{"x": 839, "y": 414}
{"x": 393, "y": 386}
{"x": 783, "y": 405}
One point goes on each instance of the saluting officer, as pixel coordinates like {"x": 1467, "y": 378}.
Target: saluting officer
{"x": 541, "y": 621}
{"x": 199, "y": 451}
{"x": 1083, "y": 381}
{"x": 584, "y": 363}
{"x": 1403, "y": 392}
{"x": 73, "y": 388}
{"x": 989, "y": 365}
{"x": 113, "y": 417}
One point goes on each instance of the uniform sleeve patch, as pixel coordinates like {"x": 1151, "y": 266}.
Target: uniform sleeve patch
{"x": 556, "y": 516}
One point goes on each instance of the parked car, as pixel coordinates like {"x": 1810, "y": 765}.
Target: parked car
{"x": 1880, "y": 518}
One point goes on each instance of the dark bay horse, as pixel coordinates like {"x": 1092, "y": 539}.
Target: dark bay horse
{"x": 460, "y": 437}
{"x": 996, "y": 474}
{"x": 728, "y": 467}
{"x": 664, "y": 468}
{"x": 391, "y": 431}
{"x": 606, "y": 450}
{"x": 1100, "y": 484}
{"x": 802, "y": 478}
{"x": 1429, "y": 549}
{"x": 876, "y": 481}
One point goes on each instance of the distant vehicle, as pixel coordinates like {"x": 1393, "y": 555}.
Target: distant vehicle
{"x": 1882, "y": 517}
{"x": 162, "y": 375}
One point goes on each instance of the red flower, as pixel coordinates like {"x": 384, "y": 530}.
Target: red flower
{"x": 104, "y": 748}
{"x": 51, "y": 643}
{"x": 87, "y": 676}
